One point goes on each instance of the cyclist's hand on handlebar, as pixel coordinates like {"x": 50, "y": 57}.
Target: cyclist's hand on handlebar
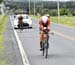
{"x": 42, "y": 29}
{"x": 48, "y": 29}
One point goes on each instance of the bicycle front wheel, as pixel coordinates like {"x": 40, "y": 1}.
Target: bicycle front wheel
{"x": 46, "y": 49}
{"x": 46, "y": 52}
{"x": 43, "y": 50}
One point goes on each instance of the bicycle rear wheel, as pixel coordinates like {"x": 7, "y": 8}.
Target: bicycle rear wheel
{"x": 21, "y": 27}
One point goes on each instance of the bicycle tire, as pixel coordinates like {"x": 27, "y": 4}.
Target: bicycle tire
{"x": 21, "y": 29}
{"x": 43, "y": 49}
{"x": 46, "y": 52}
{"x": 46, "y": 49}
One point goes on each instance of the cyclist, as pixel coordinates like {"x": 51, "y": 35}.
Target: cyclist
{"x": 44, "y": 22}
{"x": 20, "y": 20}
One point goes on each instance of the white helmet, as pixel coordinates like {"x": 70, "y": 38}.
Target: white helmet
{"x": 47, "y": 15}
{"x": 44, "y": 19}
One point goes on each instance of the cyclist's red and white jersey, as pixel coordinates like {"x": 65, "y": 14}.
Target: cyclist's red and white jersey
{"x": 46, "y": 21}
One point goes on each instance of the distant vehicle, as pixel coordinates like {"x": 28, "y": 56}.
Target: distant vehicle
{"x": 27, "y": 21}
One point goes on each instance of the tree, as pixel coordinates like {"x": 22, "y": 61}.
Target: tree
{"x": 1, "y": 1}
{"x": 74, "y": 13}
{"x": 53, "y": 12}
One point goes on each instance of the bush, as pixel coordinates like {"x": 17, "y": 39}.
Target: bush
{"x": 1, "y": 1}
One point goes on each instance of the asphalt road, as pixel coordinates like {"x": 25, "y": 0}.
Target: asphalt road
{"x": 64, "y": 29}
{"x": 61, "y": 50}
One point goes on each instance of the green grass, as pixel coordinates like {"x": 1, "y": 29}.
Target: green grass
{"x": 3, "y": 21}
{"x": 68, "y": 21}
{"x": 35, "y": 17}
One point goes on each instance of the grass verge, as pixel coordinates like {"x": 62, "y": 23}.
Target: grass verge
{"x": 69, "y": 21}
{"x": 3, "y": 21}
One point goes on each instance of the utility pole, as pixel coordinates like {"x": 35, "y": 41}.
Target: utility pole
{"x": 2, "y": 8}
{"x": 42, "y": 5}
{"x": 34, "y": 7}
{"x": 29, "y": 6}
{"x": 58, "y": 10}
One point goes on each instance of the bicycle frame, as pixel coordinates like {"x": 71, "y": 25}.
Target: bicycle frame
{"x": 21, "y": 25}
{"x": 45, "y": 42}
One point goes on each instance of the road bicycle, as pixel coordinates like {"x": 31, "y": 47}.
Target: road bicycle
{"x": 45, "y": 43}
{"x": 21, "y": 26}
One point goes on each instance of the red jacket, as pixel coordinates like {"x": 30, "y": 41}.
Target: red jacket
{"x": 41, "y": 23}
{"x": 20, "y": 18}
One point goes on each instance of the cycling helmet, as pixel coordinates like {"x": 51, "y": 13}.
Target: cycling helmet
{"x": 44, "y": 19}
{"x": 48, "y": 15}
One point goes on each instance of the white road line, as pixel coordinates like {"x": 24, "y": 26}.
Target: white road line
{"x": 23, "y": 54}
